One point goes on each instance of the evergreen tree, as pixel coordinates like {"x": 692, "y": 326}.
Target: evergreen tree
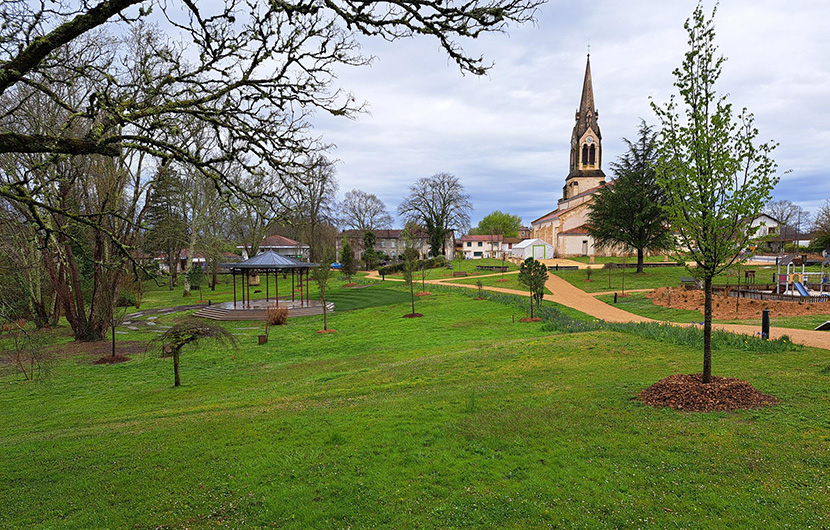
{"x": 347, "y": 259}
{"x": 628, "y": 212}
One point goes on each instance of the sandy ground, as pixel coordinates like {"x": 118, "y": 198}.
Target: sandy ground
{"x": 724, "y": 308}
{"x": 566, "y": 294}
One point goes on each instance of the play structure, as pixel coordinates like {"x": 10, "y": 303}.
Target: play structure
{"x": 795, "y": 282}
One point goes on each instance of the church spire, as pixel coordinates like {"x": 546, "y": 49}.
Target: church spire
{"x": 586, "y": 143}
{"x": 586, "y": 116}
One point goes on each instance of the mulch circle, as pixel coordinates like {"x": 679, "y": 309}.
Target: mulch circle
{"x": 326, "y": 331}
{"x": 528, "y": 319}
{"x": 688, "y": 392}
{"x": 109, "y": 359}
{"x": 423, "y": 293}
{"x": 413, "y": 315}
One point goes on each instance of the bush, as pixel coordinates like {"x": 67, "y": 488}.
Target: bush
{"x": 431, "y": 263}
{"x": 277, "y": 316}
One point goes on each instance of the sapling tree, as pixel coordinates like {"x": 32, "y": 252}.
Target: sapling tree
{"x": 321, "y": 275}
{"x": 190, "y": 331}
{"x": 714, "y": 173}
{"x": 347, "y": 259}
{"x": 533, "y": 274}
{"x": 410, "y": 265}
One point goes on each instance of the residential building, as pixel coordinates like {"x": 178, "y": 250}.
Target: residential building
{"x": 282, "y": 246}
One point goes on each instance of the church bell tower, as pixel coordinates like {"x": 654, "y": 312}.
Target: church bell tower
{"x": 586, "y": 144}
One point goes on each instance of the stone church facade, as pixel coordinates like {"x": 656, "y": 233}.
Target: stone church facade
{"x": 565, "y": 227}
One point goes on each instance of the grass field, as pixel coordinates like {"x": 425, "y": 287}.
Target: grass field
{"x": 458, "y": 419}
{"x": 638, "y": 304}
{"x": 464, "y": 265}
{"x": 493, "y": 281}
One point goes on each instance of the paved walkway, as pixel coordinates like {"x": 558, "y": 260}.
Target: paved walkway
{"x": 568, "y": 295}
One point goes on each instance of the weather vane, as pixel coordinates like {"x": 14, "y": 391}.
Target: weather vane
{"x": 589, "y": 46}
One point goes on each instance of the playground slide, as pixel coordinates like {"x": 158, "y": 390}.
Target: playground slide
{"x": 801, "y": 289}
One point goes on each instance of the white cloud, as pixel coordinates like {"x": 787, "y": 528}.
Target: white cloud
{"x": 506, "y": 135}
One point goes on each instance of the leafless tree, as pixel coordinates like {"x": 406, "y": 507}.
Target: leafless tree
{"x": 785, "y": 212}
{"x": 438, "y": 203}
{"x": 364, "y": 211}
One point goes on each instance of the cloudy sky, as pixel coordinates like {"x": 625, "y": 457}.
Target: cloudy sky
{"x": 506, "y": 135}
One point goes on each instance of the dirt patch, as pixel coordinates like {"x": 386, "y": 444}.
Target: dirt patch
{"x": 528, "y": 319}
{"x": 723, "y": 307}
{"x": 326, "y": 331}
{"x": 413, "y": 315}
{"x": 423, "y": 293}
{"x": 500, "y": 280}
{"x": 99, "y": 349}
{"x": 688, "y": 392}
{"x": 109, "y": 359}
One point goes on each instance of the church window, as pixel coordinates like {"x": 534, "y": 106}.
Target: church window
{"x": 584, "y": 155}
{"x": 593, "y": 156}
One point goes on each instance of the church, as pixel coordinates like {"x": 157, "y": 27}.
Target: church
{"x": 565, "y": 227}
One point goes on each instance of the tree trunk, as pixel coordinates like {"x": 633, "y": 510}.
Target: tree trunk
{"x": 325, "y": 321}
{"x": 531, "y": 304}
{"x": 412, "y": 295}
{"x": 640, "y": 257}
{"x": 707, "y": 330}
{"x": 190, "y": 250}
{"x": 176, "y": 380}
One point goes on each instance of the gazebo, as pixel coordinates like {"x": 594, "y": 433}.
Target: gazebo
{"x": 266, "y": 263}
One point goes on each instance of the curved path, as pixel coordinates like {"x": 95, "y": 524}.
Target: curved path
{"x": 568, "y": 295}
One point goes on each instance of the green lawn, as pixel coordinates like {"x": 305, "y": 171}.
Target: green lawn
{"x": 493, "y": 281}
{"x": 466, "y": 265}
{"x": 458, "y": 419}
{"x": 648, "y": 279}
{"x": 638, "y": 304}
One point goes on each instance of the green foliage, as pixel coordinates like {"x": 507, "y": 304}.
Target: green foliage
{"x": 196, "y": 275}
{"x": 532, "y": 275}
{"x": 189, "y": 331}
{"x": 713, "y": 174}
{"x": 628, "y": 212}
{"x": 500, "y": 223}
{"x": 431, "y": 263}
{"x": 347, "y": 259}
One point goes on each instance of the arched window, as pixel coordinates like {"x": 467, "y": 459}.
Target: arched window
{"x": 593, "y": 156}
{"x": 584, "y": 155}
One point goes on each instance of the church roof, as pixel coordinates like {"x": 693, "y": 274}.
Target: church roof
{"x": 578, "y": 230}
{"x": 587, "y": 113}
{"x": 556, "y": 213}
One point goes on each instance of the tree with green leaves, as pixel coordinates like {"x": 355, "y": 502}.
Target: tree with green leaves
{"x": 369, "y": 254}
{"x": 533, "y": 274}
{"x": 714, "y": 173}
{"x": 500, "y": 223}
{"x": 189, "y": 331}
{"x": 628, "y": 211}
{"x": 347, "y": 259}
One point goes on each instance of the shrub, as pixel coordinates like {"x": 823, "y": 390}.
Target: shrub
{"x": 431, "y": 263}
{"x": 276, "y": 316}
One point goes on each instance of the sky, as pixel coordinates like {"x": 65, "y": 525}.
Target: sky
{"x": 506, "y": 135}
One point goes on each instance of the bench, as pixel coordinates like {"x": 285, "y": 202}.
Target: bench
{"x": 563, "y": 267}
{"x": 459, "y": 274}
{"x": 687, "y": 282}
{"x": 749, "y": 275}
{"x": 498, "y": 268}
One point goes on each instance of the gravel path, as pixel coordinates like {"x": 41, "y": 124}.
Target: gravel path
{"x": 568, "y": 295}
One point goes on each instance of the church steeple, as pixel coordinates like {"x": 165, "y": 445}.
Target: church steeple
{"x": 586, "y": 143}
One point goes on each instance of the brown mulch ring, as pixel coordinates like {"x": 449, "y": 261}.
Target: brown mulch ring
{"x": 528, "y": 319}
{"x": 109, "y": 359}
{"x": 723, "y": 308}
{"x": 326, "y": 331}
{"x": 413, "y": 315}
{"x": 423, "y": 293}
{"x": 479, "y": 298}
{"x": 502, "y": 280}
{"x": 101, "y": 349}
{"x": 688, "y": 392}
{"x": 349, "y": 284}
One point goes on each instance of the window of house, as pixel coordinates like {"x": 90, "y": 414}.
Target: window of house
{"x": 480, "y": 244}
{"x": 382, "y": 243}
{"x": 469, "y": 243}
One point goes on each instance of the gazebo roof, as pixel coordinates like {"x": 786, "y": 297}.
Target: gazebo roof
{"x": 270, "y": 260}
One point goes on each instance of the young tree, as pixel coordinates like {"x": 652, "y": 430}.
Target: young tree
{"x": 322, "y": 274}
{"x": 410, "y": 266}
{"x": 364, "y": 211}
{"x": 440, "y": 204}
{"x": 369, "y": 255}
{"x": 347, "y": 259}
{"x": 628, "y": 211}
{"x": 714, "y": 175}
{"x": 190, "y": 331}
{"x": 533, "y": 274}
{"x": 500, "y": 223}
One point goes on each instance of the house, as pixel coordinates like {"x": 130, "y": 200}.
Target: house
{"x": 484, "y": 246}
{"x": 282, "y": 246}
{"x": 391, "y": 243}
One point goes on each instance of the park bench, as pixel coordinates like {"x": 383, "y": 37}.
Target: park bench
{"x": 563, "y": 267}
{"x": 687, "y": 282}
{"x": 498, "y": 268}
{"x": 459, "y": 274}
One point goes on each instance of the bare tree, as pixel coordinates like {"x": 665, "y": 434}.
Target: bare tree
{"x": 313, "y": 203}
{"x": 785, "y": 212}
{"x": 364, "y": 211}
{"x": 439, "y": 203}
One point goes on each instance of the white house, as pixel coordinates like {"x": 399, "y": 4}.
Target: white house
{"x": 282, "y": 246}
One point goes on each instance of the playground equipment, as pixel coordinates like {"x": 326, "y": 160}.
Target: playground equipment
{"x": 791, "y": 281}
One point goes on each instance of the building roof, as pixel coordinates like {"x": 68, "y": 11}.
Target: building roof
{"x": 278, "y": 241}
{"x": 269, "y": 260}
{"x": 487, "y": 237}
{"x": 512, "y": 240}
{"x": 578, "y": 230}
